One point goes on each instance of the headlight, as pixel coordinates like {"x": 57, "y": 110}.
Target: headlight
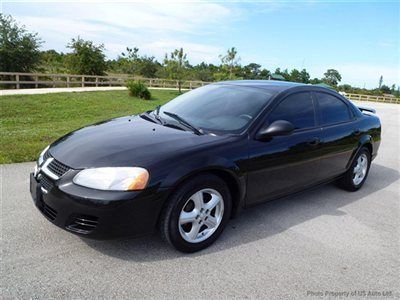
{"x": 113, "y": 179}
{"x": 40, "y": 159}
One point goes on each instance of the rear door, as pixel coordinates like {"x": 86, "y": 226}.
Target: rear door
{"x": 339, "y": 135}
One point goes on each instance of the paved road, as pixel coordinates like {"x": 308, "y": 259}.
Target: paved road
{"x": 325, "y": 240}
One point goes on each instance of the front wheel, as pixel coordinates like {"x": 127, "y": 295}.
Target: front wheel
{"x": 355, "y": 177}
{"x": 196, "y": 213}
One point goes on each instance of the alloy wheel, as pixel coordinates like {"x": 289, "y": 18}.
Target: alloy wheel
{"x": 201, "y": 215}
{"x": 360, "y": 170}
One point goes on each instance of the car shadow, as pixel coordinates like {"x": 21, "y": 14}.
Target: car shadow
{"x": 259, "y": 222}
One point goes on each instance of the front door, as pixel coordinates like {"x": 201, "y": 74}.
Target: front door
{"x": 285, "y": 164}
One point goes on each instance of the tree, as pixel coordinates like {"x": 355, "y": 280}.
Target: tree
{"x": 315, "y": 81}
{"x": 176, "y": 66}
{"x": 52, "y": 62}
{"x": 345, "y": 88}
{"x": 380, "y": 82}
{"x": 332, "y": 77}
{"x": 148, "y": 66}
{"x": 128, "y": 60}
{"x": 298, "y": 76}
{"x": 230, "y": 61}
{"x": 264, "y": 74}
{"x": 295, "y": 75}
{"x": 203, "y": 72}
{"x": 131, "y": 63}
{"x": 305, "y": 76}
{"x": 252, "y": 71}
{"x": 385, "y": 89}
{"x": 285, "y": 73}
{"x": 86, "y": 58}
{"x": 19, "y": 49}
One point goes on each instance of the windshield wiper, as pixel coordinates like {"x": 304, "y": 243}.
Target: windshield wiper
{"x": 184, "y": 122}
{"x": 156, "y": 114}
{"x": 146, "y": 115}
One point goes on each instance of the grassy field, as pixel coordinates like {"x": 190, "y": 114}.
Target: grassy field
{"x": 28, "y": 123}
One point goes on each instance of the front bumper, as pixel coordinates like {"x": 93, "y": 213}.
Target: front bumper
{"x": 94, "y": 213}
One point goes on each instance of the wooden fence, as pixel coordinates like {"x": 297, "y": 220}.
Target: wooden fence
{"x": 39, "y": 80}
{"x": 386, "y": 99}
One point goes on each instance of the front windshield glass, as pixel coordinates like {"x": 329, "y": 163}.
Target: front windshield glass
{"x": 219, "y": 108}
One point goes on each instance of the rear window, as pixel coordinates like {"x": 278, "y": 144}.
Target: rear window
{"x": 332, "y": 109}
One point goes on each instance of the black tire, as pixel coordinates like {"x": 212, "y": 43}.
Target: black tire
{"x": 346, "y": 182}
{"x": 168, "y": 224}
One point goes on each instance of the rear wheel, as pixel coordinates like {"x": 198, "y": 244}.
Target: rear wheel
{"x": 196, "y": 213}
{"x": 355, "y": 177}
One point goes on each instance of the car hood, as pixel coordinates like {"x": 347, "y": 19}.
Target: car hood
{"x": 126, "y": 141}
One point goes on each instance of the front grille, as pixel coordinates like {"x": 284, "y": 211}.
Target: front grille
{"x": 58, "y": 168}
{"x": 46, "y": 182}
{"x": 49, "y": 212}
{"x": 84, "y": 224}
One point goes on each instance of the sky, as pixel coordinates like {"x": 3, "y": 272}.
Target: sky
{"x": 361, "y": 39}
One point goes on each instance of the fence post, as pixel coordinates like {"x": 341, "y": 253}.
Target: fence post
{"x": 150, "y": 83}
{"x": 97, "y": 81}
{"x": 17, "y": 80}
{"x": 83, "y": 81}
{"x": 36, "y": 81}
{"x": 68, "y": 81}
{"x": 190, "y": 85}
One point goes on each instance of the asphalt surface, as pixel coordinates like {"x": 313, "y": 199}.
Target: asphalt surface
{"x": 325, "y": 241}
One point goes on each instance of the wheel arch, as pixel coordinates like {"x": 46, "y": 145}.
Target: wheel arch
{"x": 365, "y": 141}
{"x": 236, "y": 185}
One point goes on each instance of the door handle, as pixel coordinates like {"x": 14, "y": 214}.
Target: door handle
{"x": 356, "y": 131}
{"x": 314, "y": 142}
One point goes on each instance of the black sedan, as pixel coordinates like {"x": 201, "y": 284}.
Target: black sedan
{"x": 190, "y": 165}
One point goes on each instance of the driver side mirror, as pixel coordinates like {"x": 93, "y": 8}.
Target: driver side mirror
{"x": 277, "y": 128}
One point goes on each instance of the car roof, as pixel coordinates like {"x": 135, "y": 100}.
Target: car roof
{"x": 270, "y": 85}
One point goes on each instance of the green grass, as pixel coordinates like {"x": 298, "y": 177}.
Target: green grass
{"x": 28, "y": 123}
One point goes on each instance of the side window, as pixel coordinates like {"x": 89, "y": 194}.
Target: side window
{"x": 297, "y": 109}
{"x": 332, "y": 109}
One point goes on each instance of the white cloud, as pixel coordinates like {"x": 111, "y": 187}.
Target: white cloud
{"x": 368, "y": 74}
{"x": 64, "y": 26}
{"x": 157, "y": 16}
{"x": 197, "y": 52}
{"x": 154, "y": 27}
{"x": 387, "y": 44}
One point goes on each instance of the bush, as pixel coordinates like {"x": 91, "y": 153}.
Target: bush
{"x": 138, "y": 89}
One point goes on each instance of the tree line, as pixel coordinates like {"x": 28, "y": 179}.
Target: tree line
{"x": 20, "y": 52}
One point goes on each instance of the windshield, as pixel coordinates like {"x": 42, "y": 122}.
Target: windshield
{"x": 219, "y": 108}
